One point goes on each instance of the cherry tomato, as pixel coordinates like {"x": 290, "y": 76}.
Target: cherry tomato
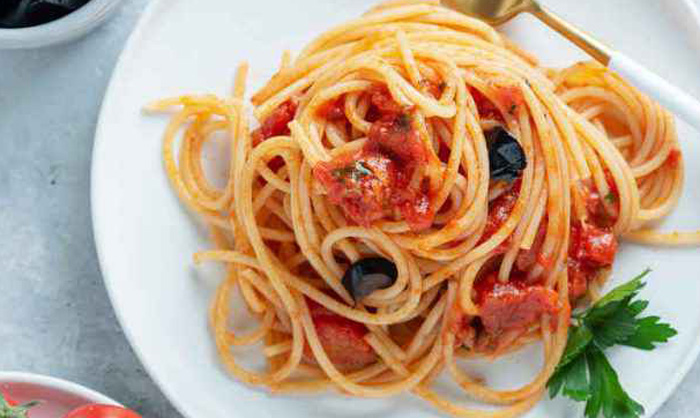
{"x": 102, "y": 411}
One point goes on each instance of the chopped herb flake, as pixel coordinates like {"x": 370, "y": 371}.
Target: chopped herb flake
{"x": 611, "y": 198}
{"x": 354, "y": 172}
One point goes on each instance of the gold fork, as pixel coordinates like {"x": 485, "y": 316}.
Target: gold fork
{"x": 498, "y": 12}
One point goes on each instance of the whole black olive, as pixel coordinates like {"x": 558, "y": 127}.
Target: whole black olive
{"x": 24, "y": 13}
{"x": 6, "y": 6}
{"x": 367, "y": 275}
{"x": 12, "y": 12}
{"x": 506, "y": 157}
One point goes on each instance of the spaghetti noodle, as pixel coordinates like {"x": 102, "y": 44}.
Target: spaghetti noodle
{"x": 379, "y": 140}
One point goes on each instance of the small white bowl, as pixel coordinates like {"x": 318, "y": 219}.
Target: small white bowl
{"x": 67, "y": 28}
{"x": 58, "y": 397}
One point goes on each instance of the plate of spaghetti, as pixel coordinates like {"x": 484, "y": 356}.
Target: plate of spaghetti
{"x": 352, "y": 208}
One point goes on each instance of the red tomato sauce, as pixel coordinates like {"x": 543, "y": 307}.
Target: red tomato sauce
{"x": 674, "y": 158}
{"x": 499, "y": 212}
{"x": 369, "y": 184}
{"x": 383, "y": 103}
{"x": 528, "y": 258}
{"x": 514, "y": 305}
{"x": 435, "y": 88}
{"x": 465, "y": 334}
{"x": 510, "y": 97}
{"x": 591, "y": 248}
{"x": 341, "y": 338}
{"x": 333, "y": 110}
{"x": 595, "y": 203}
{"x": 360, "y": 184}
{"x": 276, "y": 123}
{"x": 487, "y": 109}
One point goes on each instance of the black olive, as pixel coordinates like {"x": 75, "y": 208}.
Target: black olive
{"x": 367, "y": 275}
{"x": 506, "y": 157}
{"x": 7, "y": 6}
{"x": 24, "y": 13}
{"x": 12, "y": 12}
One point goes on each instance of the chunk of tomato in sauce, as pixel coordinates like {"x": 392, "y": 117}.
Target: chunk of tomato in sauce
{"x": 394, "y": 135}
{"x": 383, "y": 102}
{"x": 415, "y": 206}
{"x": 276, "y": 123}
{"x": 592, "y": 245}
{"x": 595, "y": 207}
{"x": 361, "y": 185}
{"x": 341, "y": 338}
{"x": 579, "y": 275}
{"x": 499, "y": 211}
{"x": 591, "y": 248}
{"x": 515, "y": 305}
{"x": 368, "y": 184}
{"x": 333, "y": 110}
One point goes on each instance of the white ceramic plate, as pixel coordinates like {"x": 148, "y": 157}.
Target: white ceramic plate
{"x": 58, "y": 397}
{"x": 145, "y": 239}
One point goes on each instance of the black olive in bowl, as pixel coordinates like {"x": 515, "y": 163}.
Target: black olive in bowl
{"x": 21, "y": 25}
{"x": 27, "y": 13}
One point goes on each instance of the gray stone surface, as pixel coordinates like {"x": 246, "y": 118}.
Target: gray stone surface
{"x": 55, "y": 317}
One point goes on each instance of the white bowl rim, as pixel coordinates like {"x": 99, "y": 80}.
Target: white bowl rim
{"x": 58, "y": 385}
{"x": 60, "y": 30}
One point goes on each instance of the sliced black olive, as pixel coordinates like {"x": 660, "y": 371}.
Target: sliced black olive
{"x": 506, "y": 157}
{"x": 367, "y": 275}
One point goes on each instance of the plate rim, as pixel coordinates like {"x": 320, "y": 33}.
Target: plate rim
{"x": 182, "y": 407}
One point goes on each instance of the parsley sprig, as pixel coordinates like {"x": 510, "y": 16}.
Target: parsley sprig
{"x": 584, "y": 373}
{"x": 8, "y": 410}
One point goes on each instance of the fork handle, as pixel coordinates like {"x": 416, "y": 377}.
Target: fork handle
{"x": 673, "y": 98}
{"x": 669, "y": 96}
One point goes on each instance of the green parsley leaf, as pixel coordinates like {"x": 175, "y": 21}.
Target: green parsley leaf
{"x": 609, "y": 303}
{"x": 576, "y": 386}
{"x": 607, "y": 395}
{"x": 579, "y": 338}
{"x": 556, "y": 382}
{"x": 584, "y": 373}
{"x": 649, "y": 332}
{"x": 623, "y": 291}
{"x": 615, "y": 328}
{"x": 19, "y": 411}
{"x": 637, "y": 307}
